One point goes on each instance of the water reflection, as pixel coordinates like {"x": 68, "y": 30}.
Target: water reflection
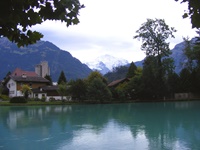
{"x": 114, "y": 126}
{"x": 108, "y": 138}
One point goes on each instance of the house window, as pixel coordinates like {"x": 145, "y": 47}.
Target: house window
{"x": 36, "y": 95}
{"x": 12, "y": 92}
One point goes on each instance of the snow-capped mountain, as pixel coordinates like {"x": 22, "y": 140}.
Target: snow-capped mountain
{"x": 106, "y": 63}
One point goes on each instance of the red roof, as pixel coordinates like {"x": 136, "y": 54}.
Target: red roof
{"x": 34, "y": 79}
{"x": 20, "y": 72}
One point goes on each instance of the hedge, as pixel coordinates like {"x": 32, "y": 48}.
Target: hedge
{"x": 18, "y": 100}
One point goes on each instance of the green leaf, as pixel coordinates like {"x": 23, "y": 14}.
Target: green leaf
{"x": 76, "y": 21}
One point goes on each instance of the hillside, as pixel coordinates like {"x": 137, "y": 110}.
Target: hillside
{"x": 177, "y": 55}
{"x": 26, "y": 58}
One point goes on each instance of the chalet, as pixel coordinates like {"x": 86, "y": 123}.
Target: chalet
{"x": 181, "y": 96}
{"x": 49, "y": 92}
{"x": 14, "y": 83}
{"x": 117, "y": 82}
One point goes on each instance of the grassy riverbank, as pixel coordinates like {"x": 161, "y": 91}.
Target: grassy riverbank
{"x": 32, "y": 103}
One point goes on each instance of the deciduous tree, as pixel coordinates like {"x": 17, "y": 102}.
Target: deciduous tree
{"x": 62, "y": 89}
{"x": 185, "y": 81}
{"x": 134, "y": 86}
{"x": 18, "y": 16}
{"x": 78, "y": 89}
{"x": 154, "y": 35}
{"x": 193, "y": 12}
{"x": 25, "y": 90}
{"x": 95, "y": 74}
{"x": 98, "y": 91}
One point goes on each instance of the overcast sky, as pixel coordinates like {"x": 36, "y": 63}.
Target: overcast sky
{"x": 108, "y": 27}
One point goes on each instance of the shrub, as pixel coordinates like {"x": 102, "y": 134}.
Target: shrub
{"x": 4, "y": 97}
{"x": 18, "y": 100}
{"x": 30, "y": 99}
{"x": 37, "y": 99}
{"x": 51, "y": 99}
{"x": 43, "y": 99}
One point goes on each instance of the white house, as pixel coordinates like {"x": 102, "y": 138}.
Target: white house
{"x": 14, "y": 84}
{"x": 49, "y": 92}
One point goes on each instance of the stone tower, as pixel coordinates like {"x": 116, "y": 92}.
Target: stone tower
{"x": 42, "y": 69}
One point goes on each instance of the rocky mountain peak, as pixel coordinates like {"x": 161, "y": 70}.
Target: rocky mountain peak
{"x": 106, "y": 63}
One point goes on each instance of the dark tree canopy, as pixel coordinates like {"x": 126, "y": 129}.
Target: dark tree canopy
{"x": 154, "y": 33}
{"x": 48, "y": 77}
{"x": 78, "y": 89}
{"x": 18, "y": 16}
{"x": 193, "y": 12}
{"x": 131, "y": 70}
{"x": 62, "y": 78}
{"x": 98, "y": 90}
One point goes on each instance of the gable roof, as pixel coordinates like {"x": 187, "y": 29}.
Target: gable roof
{"x": 44, "y": 89}
{"x": 50, "y": 87}
{"x": 29, "y": 79}
{"x": 20, "y": 72}
{"x": 116, "y": 82}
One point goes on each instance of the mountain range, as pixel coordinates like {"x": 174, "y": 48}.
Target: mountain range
{"x": 105, "y": 63}
{"x": 26, "y": 58}
{"x": 177, "y": 54}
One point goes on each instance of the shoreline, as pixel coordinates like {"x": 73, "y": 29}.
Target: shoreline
{"x": 39, "y": 103}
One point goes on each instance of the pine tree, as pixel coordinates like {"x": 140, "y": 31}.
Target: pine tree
{"x": 62, "y": 78}
{"x": 131, "y": 70}
{"x": 48, "y": 77}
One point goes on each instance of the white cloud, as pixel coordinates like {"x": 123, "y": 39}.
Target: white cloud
{"x": 108, "y": 27}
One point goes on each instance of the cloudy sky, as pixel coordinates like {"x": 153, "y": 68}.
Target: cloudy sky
{"x": 108, "y": 27}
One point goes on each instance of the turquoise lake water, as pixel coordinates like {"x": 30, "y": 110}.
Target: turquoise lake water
{"x": 139, "y": 126}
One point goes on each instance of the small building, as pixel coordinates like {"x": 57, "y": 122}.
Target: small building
{"x": 117, "y": 82}
{"x": 14, "y": 83}
{"x": 182, "y": 96}
{"x": 49, "y": 92}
